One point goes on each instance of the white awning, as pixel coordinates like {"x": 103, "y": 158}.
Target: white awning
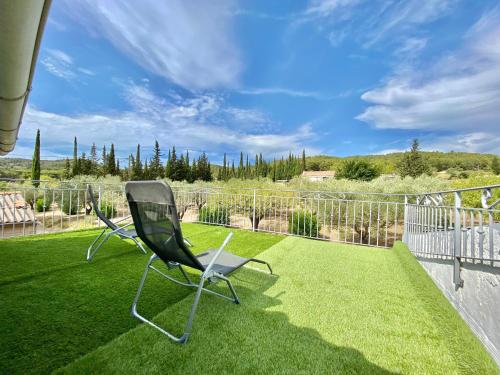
{"x": 21, "y": 27}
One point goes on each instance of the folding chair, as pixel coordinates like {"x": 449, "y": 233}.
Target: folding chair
{"x": 155, "y": 217}
{"x": 111, "y": 228}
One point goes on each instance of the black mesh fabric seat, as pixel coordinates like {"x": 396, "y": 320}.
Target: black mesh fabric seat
{"x": 225, "y": 263}
{"x": 156, "y": 221}
{"x": 111, "y": 229}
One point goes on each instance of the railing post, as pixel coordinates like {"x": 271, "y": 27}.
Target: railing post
{"x": 253, "y": 214}
{"x": 457, "y": 245}
{"x": 405, "y": 221}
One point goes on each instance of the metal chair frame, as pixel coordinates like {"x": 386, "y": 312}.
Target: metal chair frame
{"x": 208, "y": 275}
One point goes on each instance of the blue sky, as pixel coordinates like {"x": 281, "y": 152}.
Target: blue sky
{"x": 337, "y": 77}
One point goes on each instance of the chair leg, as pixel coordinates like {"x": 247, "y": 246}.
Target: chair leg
{"x": 199, "y": 289}
{"x": 263, "y": 262}
{"x": 91, "y": 251}
{"x": 231, "y": 288}
{"x": 139, "y": 245}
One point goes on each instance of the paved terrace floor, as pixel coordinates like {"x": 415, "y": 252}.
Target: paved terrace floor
{"x": 332, "y": 308}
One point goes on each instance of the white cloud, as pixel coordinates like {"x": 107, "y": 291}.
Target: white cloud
{"x": 460, "y": 93}
{"x": 411, "y": 47}
{"x": 325, "y": 8}
{"x": 62, "y": 65}
{"x": 187, "y": 42}
{"x": 288, "y": 92}
{"x": 404, "y": 16}
{"x": 59, "y": 64}
{"x": 196, "y": 123}
{"x": 86, "y": 71}
{"x": 337, "y": 37}
{"x": 373, "y": 21}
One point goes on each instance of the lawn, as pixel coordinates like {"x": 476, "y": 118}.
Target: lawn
{"x": 331, "y": 308}
{"x": 57, "y": 307}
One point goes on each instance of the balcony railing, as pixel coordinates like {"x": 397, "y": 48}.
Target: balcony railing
{"x": 439, "y": 225}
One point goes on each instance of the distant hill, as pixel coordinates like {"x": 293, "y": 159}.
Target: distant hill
{"x": 21, "y": 168}
{"x": 439, "y": 161}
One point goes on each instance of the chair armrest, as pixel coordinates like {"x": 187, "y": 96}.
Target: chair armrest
{"x": 217, "y": 254}
{"x": 126, "y": 225}
{"x": 123, "y": 219}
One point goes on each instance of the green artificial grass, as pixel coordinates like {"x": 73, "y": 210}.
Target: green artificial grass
{"x": 56, "y": 307}
{"x": 331, "y": 309}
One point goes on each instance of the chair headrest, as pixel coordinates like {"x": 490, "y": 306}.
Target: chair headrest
{"x": 149, "y": 191}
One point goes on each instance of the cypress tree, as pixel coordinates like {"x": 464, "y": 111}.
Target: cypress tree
{"x": 104, "y": 161}
{"x": 145, "y": 171}
{"x": 247, "y": 168}
{"x": 168, "y": 166}
{"x": 138, "y": 164}
{"x": 175, "y": 175}
{"x": 413, "y": 164}
{"x": 111, "y": 169}
{"x": 187, "y": 167}
{"x": 156, "y": 170}
{"x": 240, "y": 166}
{"x": 303, "y": 160}
{"x": 35, "y": 166}
{"x": 180, "y": 169}
{"x": 67, "y": 169}
{"x": 93, "y": 159}
{"x": 75, "y": 170}
{"x": 130, "y": 169}
{"x": 194, "y": 171}
{"x": 225, "y": 168}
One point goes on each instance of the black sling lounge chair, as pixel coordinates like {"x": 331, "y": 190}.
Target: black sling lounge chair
{"x": 113, "y": 228}
{"x": 155, "y": 217}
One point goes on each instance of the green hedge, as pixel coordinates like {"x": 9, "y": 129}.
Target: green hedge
{"x": 304, "y": 224}
{"x": 108, "y": 210}
{"x": 214, "y": 215}
{"x": 43, "y": 204}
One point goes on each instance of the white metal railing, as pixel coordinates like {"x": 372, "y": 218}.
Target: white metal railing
{"x": 440, "y": 225}
{"x": 26, "y": 210}
{"x": 350, "y": 219}
{"x": 367, "y": 219}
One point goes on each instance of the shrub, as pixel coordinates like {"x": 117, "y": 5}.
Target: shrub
{"x": 495, "y": 165}
{"x": 358, "y": 170}
{"x": 43, "y": 204}
{"x": 304, "y": 224}
{"x": 108, "y": 210}
{"x": 214, "y": 215}
{"x": 69, "y": 202}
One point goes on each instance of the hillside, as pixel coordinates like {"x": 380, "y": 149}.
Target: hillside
{"x": 21, "y": 168}
{"x": 439, "y": 161}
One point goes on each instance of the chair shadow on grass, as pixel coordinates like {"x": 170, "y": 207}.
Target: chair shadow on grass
{"x": 249, "y": 338}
